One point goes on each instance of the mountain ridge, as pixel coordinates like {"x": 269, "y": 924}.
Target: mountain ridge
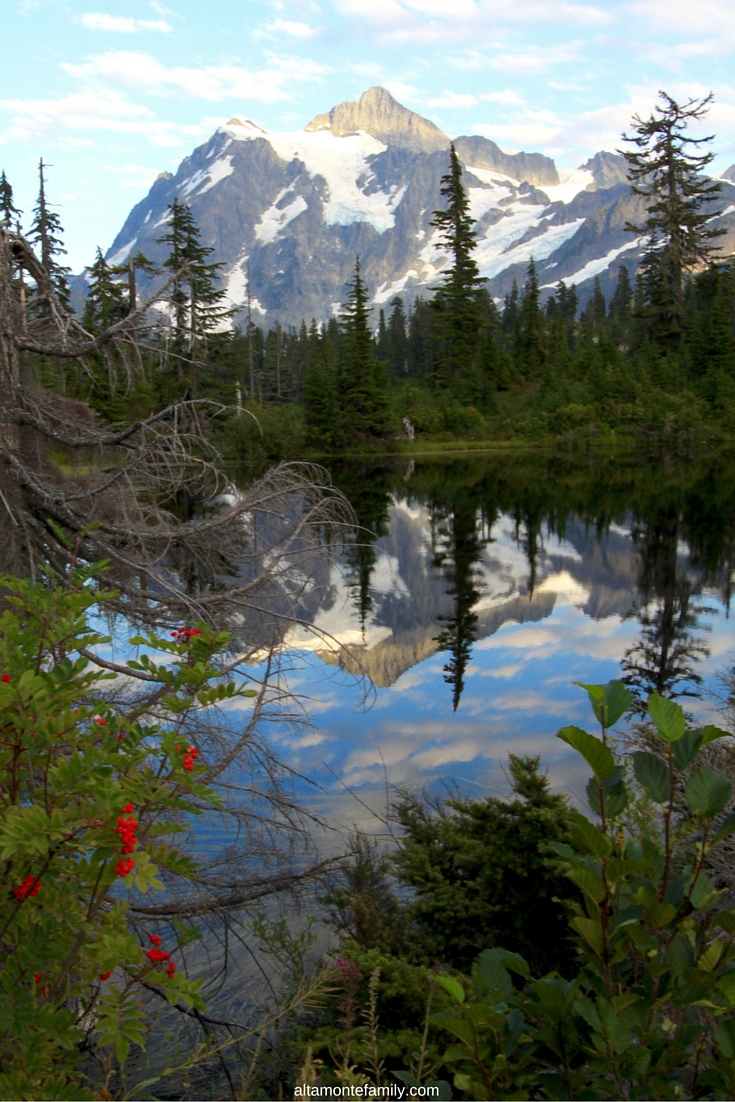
{"x": 297, "y": 207}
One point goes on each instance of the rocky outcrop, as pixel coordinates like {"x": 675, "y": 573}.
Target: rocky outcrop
{"x": 531, "y": 168}
{"x": 378, "y": 114}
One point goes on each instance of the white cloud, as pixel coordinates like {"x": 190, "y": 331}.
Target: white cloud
{"x": 121, "y": 24}
{"x": 534, "y": 59}
{"x": 102, "y": 111}
{"x": 210, "y": 82}
{"x": 715, "y": 17}
{"x": 400, "y": 90}
{"x": 453, "y": 100}
{"x": 508, "y": 97}
{"x": 285, "y": 26}
{"x": 133, "y": 175}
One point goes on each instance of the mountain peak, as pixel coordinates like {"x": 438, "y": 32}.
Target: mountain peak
{"x": 379, "y": 114}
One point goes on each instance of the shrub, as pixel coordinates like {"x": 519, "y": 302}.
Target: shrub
{"x": 648, "y": 1010}
{"x": 90, "y": 807}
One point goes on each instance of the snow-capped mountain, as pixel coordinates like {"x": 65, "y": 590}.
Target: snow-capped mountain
{"x": 365, "y": 178}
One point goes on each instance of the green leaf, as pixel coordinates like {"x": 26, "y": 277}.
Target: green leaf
{"x": 707, "y": 791}
{"x": 727, "y": 826}
{"x": 726, "y": 921}
{"x": 724, "y": 1039}
{"x": 452, "y": 986}
{"x": 685, "y": 749}
{"x": 591, "y": 931}
{"x": 598, "y": 756}
{"x": 660, "y": 914}
{"x": 652, "y": 775}
{"x": 588, "y": 882}
{"x": 668, "y": 716}
{"x": 609, "y": 702}
{"x": 587, "y": 836}
{"x": 710, "y": 733}
{"x": 458, "y": 1026}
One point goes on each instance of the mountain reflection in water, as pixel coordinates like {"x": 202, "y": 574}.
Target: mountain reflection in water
{"x": 491, "y": 584}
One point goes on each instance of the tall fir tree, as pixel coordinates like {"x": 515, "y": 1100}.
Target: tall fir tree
{"x": 319, "y": 391}
{"x": 9, "y": 213}
{"x": 47, "y": 235}
{"x": 458, "y": 301}
{"x": 106, "y": 298}
{"x": 620, "y": 308}
{"x": 196, "y": 299}
{"x": 363, "y": 390}
{"x": 667, "y": 169}
{"x": 532, "y": 342}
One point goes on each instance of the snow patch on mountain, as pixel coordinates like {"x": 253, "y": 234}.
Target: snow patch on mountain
{"x": 572, "y": 182}
{"x": 277, "y": 218}
{"x": 490, "y": 176}
{"x": 539, "y": 247}
{"x": 122, "y": 253}
{"x": 341, "y": 162}
{"x": 483, "y": 199}
{"x": 216, "y": 172}
{"x": 597, "y": 266}
{"x": 387, "y": 291}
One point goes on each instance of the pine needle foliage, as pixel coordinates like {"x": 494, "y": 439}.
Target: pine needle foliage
{"x": 458, "y": 302}
{"x": 361, "y": 376}
{"x": 666, "y": 168}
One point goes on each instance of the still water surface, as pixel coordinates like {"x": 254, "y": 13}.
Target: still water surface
{"x": 491, "y": 584}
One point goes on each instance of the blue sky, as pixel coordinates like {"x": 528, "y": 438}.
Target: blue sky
{"x": 111, "y": 94}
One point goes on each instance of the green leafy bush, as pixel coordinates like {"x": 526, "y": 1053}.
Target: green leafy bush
{"x": 90, "y": 806}
{"x": 647, "y": 1010}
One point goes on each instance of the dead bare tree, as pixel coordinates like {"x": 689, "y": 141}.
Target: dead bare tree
{"x": 73, "y": 488}
{"x": 116, "y": 490}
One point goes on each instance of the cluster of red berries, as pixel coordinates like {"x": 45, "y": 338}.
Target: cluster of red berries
{"x": 158, "y": 955}
{"x": 37, "y": 977}
{"x": 190, "y": 756}
{"x": 183, "y": 635}
{"x": 126, "y": 829}
{"x": 29, "y": 887}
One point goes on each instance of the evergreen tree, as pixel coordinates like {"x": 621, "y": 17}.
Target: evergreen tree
{"x": 666, "y": 169}
{"x": 46, "y": 234}
{"x": 568, "y": 304}
{"x": 510, "y": 323}
{"x": 8, "y": 211}
{"x": 593, "y": 321}
{"x": 459, "y": 555}
{"x": 362, "y": 383}
{"x": 620, "y": 307}
{"x": 319, "y": 392}
{"x": 106, "y": 300}
{"x": 196, "y": 299}
{"x": 457, "y": 304}
{"x": 420, "y": 340}
{"x": 532, "y": 344}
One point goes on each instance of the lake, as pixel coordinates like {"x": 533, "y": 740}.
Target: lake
{"x": 488, "y": 585}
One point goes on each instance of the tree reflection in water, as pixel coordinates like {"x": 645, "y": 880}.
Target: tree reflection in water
{"x": 680, "y": 512}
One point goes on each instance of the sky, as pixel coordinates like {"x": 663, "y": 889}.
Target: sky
{"x": 111, "y": 95}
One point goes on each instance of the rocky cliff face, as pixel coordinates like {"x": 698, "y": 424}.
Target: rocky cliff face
{"x": 297, "y": 208}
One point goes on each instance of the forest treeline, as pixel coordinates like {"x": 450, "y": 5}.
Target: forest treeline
{"x": 658, "y": 357}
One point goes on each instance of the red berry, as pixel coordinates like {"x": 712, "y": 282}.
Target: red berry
{"x": 105, "y": 975}
{"x": 6, "y": 678}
